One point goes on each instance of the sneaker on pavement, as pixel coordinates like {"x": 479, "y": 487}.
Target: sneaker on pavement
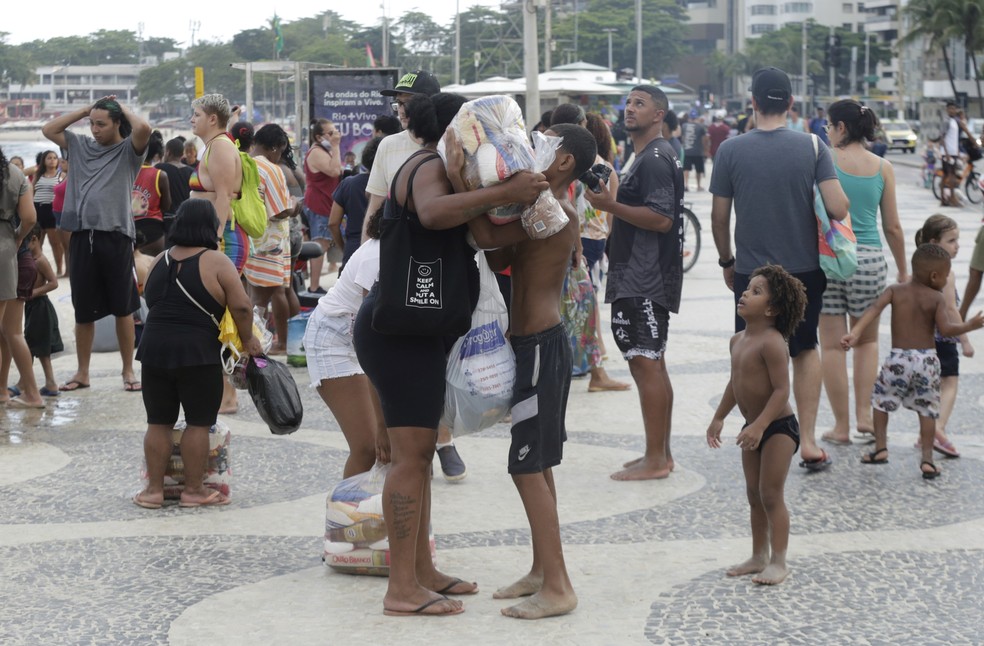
{"x": 451, "y": 463}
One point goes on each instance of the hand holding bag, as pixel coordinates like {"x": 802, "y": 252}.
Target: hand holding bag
{"x": 275, "y": 395}
{"x": 428, "y": 279}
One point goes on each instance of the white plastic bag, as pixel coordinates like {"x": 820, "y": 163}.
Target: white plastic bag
{"x": 481, "y": 366}
{"x": 545, "y": 217}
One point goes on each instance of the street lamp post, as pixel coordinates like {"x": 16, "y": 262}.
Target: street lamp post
{"x": 610, "y": 31}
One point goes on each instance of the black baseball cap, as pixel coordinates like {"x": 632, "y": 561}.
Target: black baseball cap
{"x": 419, "y": 82}
{"x": 771, "y": 84}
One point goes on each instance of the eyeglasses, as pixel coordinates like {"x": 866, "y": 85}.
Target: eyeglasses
{"x": 396, "y": 105}
{"x": 826, "y": 128}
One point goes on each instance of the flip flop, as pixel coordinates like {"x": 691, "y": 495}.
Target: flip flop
{"x": 146, "y": 504}
{"x": 74, "y": 384}
{"x": 132, "y": 386}
{"x": 14, "y": 391}
{"x": 612, "y": 387}
{"x": 214, "y": 499}
{"x": 865, "y": 437}
{"x": 456, "y": 581}
{"x": 47, "y": 392}
{"x": 419, "y": 612}
{"x": 946, "y": 448}
{"x": 929, "y": 475}
{"x": 817, "y": 464}
{"x": 872, "y": 457}
{"x": 830, "y": 437}
{"x": 16, "y": 402}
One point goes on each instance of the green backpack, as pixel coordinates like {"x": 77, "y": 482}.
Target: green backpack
{"x": 248, "y": 210}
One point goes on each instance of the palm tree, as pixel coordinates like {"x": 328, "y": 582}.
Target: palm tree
{"x": 932, "y": 20}
{"x": 968, "y": 27}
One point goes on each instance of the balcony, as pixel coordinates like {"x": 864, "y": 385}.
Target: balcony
{"x": 877, "y": 24}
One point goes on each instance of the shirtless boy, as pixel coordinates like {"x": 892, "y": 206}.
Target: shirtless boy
{"x": 910, "y": 376}
{"x": 543, "y": 375}
{"x": 772, "y": 306}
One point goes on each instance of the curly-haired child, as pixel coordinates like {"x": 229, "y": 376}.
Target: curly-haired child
{"x": 772, "y": 306}
{"x": 910, "y": 376}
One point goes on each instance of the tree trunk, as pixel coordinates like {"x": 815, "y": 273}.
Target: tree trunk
{"x": 977, "y": 80}
{"x": 949, "y": 71}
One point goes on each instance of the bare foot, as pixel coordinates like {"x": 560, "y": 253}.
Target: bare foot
{"x": 529, "y": 584}
{"x": 601, "y": 385}
{"x": 539, "y": 606}
{"x": 774, "y": 574}
{"x": 753, "y": 565}
{"x": 642, "y": 470}
{"x": 631, "y": 463}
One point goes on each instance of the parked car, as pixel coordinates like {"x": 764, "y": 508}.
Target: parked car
{"x": 899, "y": 136}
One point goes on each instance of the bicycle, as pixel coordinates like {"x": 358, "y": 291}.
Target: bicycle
{"x": 970, "y": 179}
{"x": 691, "y": 238}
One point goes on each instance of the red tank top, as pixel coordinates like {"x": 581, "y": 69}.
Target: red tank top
{"x": 317, "y": 193}
{"x": 145, "y": 199}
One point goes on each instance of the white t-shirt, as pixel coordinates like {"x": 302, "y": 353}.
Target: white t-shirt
{"x": 392, "y": 152}
{"x": 360, "y": 273}
{"x": 951, "y": 140}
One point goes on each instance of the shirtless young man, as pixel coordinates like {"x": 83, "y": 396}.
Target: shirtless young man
{"x": 543, "y": 374}
{"x": 218, "y": 178}
{"x": 772, "y": 306}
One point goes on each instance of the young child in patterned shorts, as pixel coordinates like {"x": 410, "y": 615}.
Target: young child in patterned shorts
{"x": 910, "y": 376}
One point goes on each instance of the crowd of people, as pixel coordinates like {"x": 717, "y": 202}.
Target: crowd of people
{"x": 385, "y": 383}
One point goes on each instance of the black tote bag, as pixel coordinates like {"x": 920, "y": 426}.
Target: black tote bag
{"x": 428, "y": 279}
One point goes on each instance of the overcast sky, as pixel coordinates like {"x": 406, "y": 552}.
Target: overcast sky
{"x": 215, "y": 20}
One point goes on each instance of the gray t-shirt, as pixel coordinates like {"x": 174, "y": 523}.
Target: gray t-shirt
{"x": 770, "y": 174}
{"x": 99, "y": 186}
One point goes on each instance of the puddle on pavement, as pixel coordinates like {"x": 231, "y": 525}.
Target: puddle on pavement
{"x": 16, "y": 425}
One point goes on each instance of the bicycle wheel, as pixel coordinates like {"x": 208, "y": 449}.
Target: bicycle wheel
{"x": 691, "y": 238}
{"x": 938, "y": 185}
{"x": 973, "y": 188}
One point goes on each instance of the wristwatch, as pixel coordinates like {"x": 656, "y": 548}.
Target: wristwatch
{"x": 724, "y": 264}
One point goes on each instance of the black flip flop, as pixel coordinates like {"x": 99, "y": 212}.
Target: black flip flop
{"x": 929, "y": 475}
{"x": 873, "y": 457}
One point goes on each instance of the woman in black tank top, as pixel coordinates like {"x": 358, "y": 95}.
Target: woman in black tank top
{"x": 188, "y": 290}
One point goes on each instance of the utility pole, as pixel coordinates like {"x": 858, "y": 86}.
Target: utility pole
{"x": 457, "y": 42}
{"x": 610, "y": 30}
{"x": 548, "y": 43}
{"x": 638, "y": 19}
{"x": 854, "y": 68}
{"x": 832, "y": 44}
{"x": 804, "y": 81}
{"x": 385, "y": 36}
{"x": 531, "y": 61}
{"x": 575, "y": 29}
{"x": 867, "y": 57}
{"x": 194, "y": 26}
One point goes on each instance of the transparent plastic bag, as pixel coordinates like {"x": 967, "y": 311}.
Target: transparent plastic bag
{"x": 355, "y": 531}
{"x": 232, "y": 345}
{"x": 481, "y": 368}
{"x": 218, "y": 473}
{"x": 493, "y": 135}
{"x": 545, "y": 217}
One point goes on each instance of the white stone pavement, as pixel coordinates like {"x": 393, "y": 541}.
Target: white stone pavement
{"x": 879, "y": 556}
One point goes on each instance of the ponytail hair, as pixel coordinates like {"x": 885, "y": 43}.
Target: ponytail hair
{"x": 155, "y": 146}
{"x": 242, "y": 134}
{"x": 859, "y": 120}
{"x": 429, "y": 116}
{"x": 39, "y": 164}
{"x": 934, "y": 228}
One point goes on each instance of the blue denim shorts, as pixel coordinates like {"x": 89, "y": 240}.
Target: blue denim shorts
{"x": 317, "y": 225}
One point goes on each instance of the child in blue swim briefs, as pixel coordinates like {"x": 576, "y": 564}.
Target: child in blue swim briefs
{"x": 772, "y": 306}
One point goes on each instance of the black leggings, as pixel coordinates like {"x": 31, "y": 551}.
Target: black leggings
{"x": 196, "y": 389}
{"x": 407, "y": 371}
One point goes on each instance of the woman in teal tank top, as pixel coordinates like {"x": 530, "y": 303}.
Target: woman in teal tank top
{"x": 869, "y": 182}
